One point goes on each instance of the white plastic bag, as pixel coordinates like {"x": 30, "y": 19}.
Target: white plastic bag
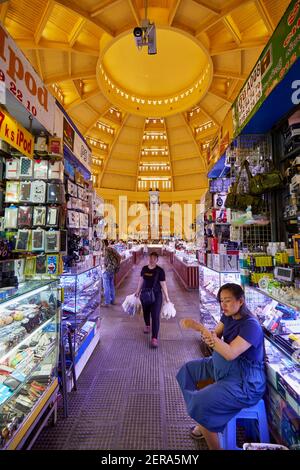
{"x": 168, "y": 311}
{"x": 132, "y": 305}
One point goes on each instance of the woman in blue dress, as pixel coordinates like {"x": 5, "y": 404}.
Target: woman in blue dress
{"x": 236, "y": 368}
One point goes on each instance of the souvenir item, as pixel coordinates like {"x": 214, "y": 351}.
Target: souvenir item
{"x": 54, "y": 193}
{"x": 26, "y": 167}
{"x": 52, "y": 216}
{"x": 72, "y": 189}
{"x": 55, "y": 171}
{"x": 38, "y": 240}
{"x": 25, "y": 190}
{"x": 19, "y": 268}
{"x": 55, "y": 145}
{"x": 86, "y": 195}
{"x": 12, "y": 168}
{"x": 38, "y": 192}
{"x": 24, "y": 216}
{"x": 12, "y": 191}
{"x": 52, "y": 241}
{"x": 40, "y": 145}
{"x": 52, "y": 264}
{"x": 41, "y": 169}
{"x": 41, "y": 264}
{"x": 84, "y": 220}
{"x": 30, "y": 266}
{"x": 22, "y": 240}
{"x": 80, "y": 192}
{"x": 11, "y": 217}
{"x": 73, "y": 219}
{"x": 63, "y": 241}
{"x": 39, "y": 216}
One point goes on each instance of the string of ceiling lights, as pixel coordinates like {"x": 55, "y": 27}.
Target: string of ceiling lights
{"x": 157, "y": 101}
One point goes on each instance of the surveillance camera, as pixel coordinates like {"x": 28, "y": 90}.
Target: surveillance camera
{"x": 138, "y": 37}
{"x": 138, "y": 32}
{"x": 151, "y": 35}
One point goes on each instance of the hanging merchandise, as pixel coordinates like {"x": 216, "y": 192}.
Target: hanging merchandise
{"x": 264, "y": 182}
{"x": 240, "y": 202}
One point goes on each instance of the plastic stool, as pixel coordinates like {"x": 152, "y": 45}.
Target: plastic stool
{"x": 257, "y": 412}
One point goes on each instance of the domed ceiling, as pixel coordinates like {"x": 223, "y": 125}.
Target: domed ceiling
{"x": 148, "y": 118}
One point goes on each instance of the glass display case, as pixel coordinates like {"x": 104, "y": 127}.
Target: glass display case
{"x": 281, "y": 324}
{"x": 210, "y": 282}
{"x": 29, "y": 350}
{"x": 81, "y": 307}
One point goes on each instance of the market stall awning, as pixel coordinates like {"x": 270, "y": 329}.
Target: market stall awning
{"x": 220, "y": 169}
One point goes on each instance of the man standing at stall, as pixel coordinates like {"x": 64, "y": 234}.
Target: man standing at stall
{"x": 111, "y": 265}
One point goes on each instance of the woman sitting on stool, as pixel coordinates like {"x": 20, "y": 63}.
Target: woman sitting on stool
{"x": 236, "y": 369}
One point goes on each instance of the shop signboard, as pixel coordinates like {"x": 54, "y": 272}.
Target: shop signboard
{"x": 15, "y": 135}
{"x": 277, "y": 58}
{"x": 65, "y": 129}
{"x": 23, "y": 82}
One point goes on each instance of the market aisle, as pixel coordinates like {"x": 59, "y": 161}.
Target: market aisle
{"x": 128, "y": 397}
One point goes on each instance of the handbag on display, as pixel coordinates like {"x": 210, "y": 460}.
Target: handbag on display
{"x": 240, "y": 202}
{"x": 263, "y": 182}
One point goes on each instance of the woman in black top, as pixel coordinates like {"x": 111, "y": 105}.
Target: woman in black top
{"x": 153, "y": 277}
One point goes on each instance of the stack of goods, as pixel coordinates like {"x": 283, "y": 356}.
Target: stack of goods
{"x": 33, "y": 214}
{"x": 78, "y": 221}
{"x": 291, "y": 133}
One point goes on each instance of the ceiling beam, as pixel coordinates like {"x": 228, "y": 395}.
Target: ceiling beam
{"x": 231, "y": 88}
{"x": 139, "y": 156}
{"x": 190, "y": 131}
{"x": 94, "y": 122}
{"x": 233, "y": 5}
{"x": 265, "y": 15}
{"x": 83, "y": 99}
{"x": 207, "y": 4}
{"x": 73, "y": 36}
{"x": 44, "y": 20}
{"x": 85, "y": 14}
{"x": 220, "y": 95}
{"x": 210, "y": 116}
{"x": 173, "y": 11}
{"x": 102, "y": 7}
{"x": 170, "y": 156}
{"x": 65, "y": 77}
{"x": 253, "y": 44}
{"x": 78, "y": 88}
{"x": 3, "y": 13}
{"x": 229, "y": 74}
{"x": 61, "y": 46}
{"x": 112, "y": 147}
{"x": 233, "y": 29}
{"x": 135, "y": 11}
{"x": 70, "y": 63}
{"x": 39, "y": 65}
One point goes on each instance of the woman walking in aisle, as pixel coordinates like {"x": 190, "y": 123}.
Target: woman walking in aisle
{"x": 150, "y": 286}
{"x": 236, "y": 369}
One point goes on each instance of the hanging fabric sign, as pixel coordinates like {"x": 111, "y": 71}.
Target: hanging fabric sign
{"x": 24, "y": 83}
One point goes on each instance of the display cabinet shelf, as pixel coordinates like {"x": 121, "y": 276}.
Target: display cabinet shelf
{"x": 29, "y": 351}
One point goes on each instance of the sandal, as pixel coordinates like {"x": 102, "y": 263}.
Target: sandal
{"x": 196, "y": 436}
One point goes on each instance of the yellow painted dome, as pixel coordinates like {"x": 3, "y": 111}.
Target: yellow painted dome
{"x": 148, "y": 118}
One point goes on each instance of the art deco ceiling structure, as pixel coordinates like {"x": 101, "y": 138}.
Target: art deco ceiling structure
{"x": 148, "y": 118}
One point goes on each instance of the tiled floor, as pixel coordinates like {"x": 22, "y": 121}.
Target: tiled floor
{"x": 128, "y": 397}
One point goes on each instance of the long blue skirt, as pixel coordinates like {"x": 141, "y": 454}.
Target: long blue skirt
{"x": 238, "y": 384}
